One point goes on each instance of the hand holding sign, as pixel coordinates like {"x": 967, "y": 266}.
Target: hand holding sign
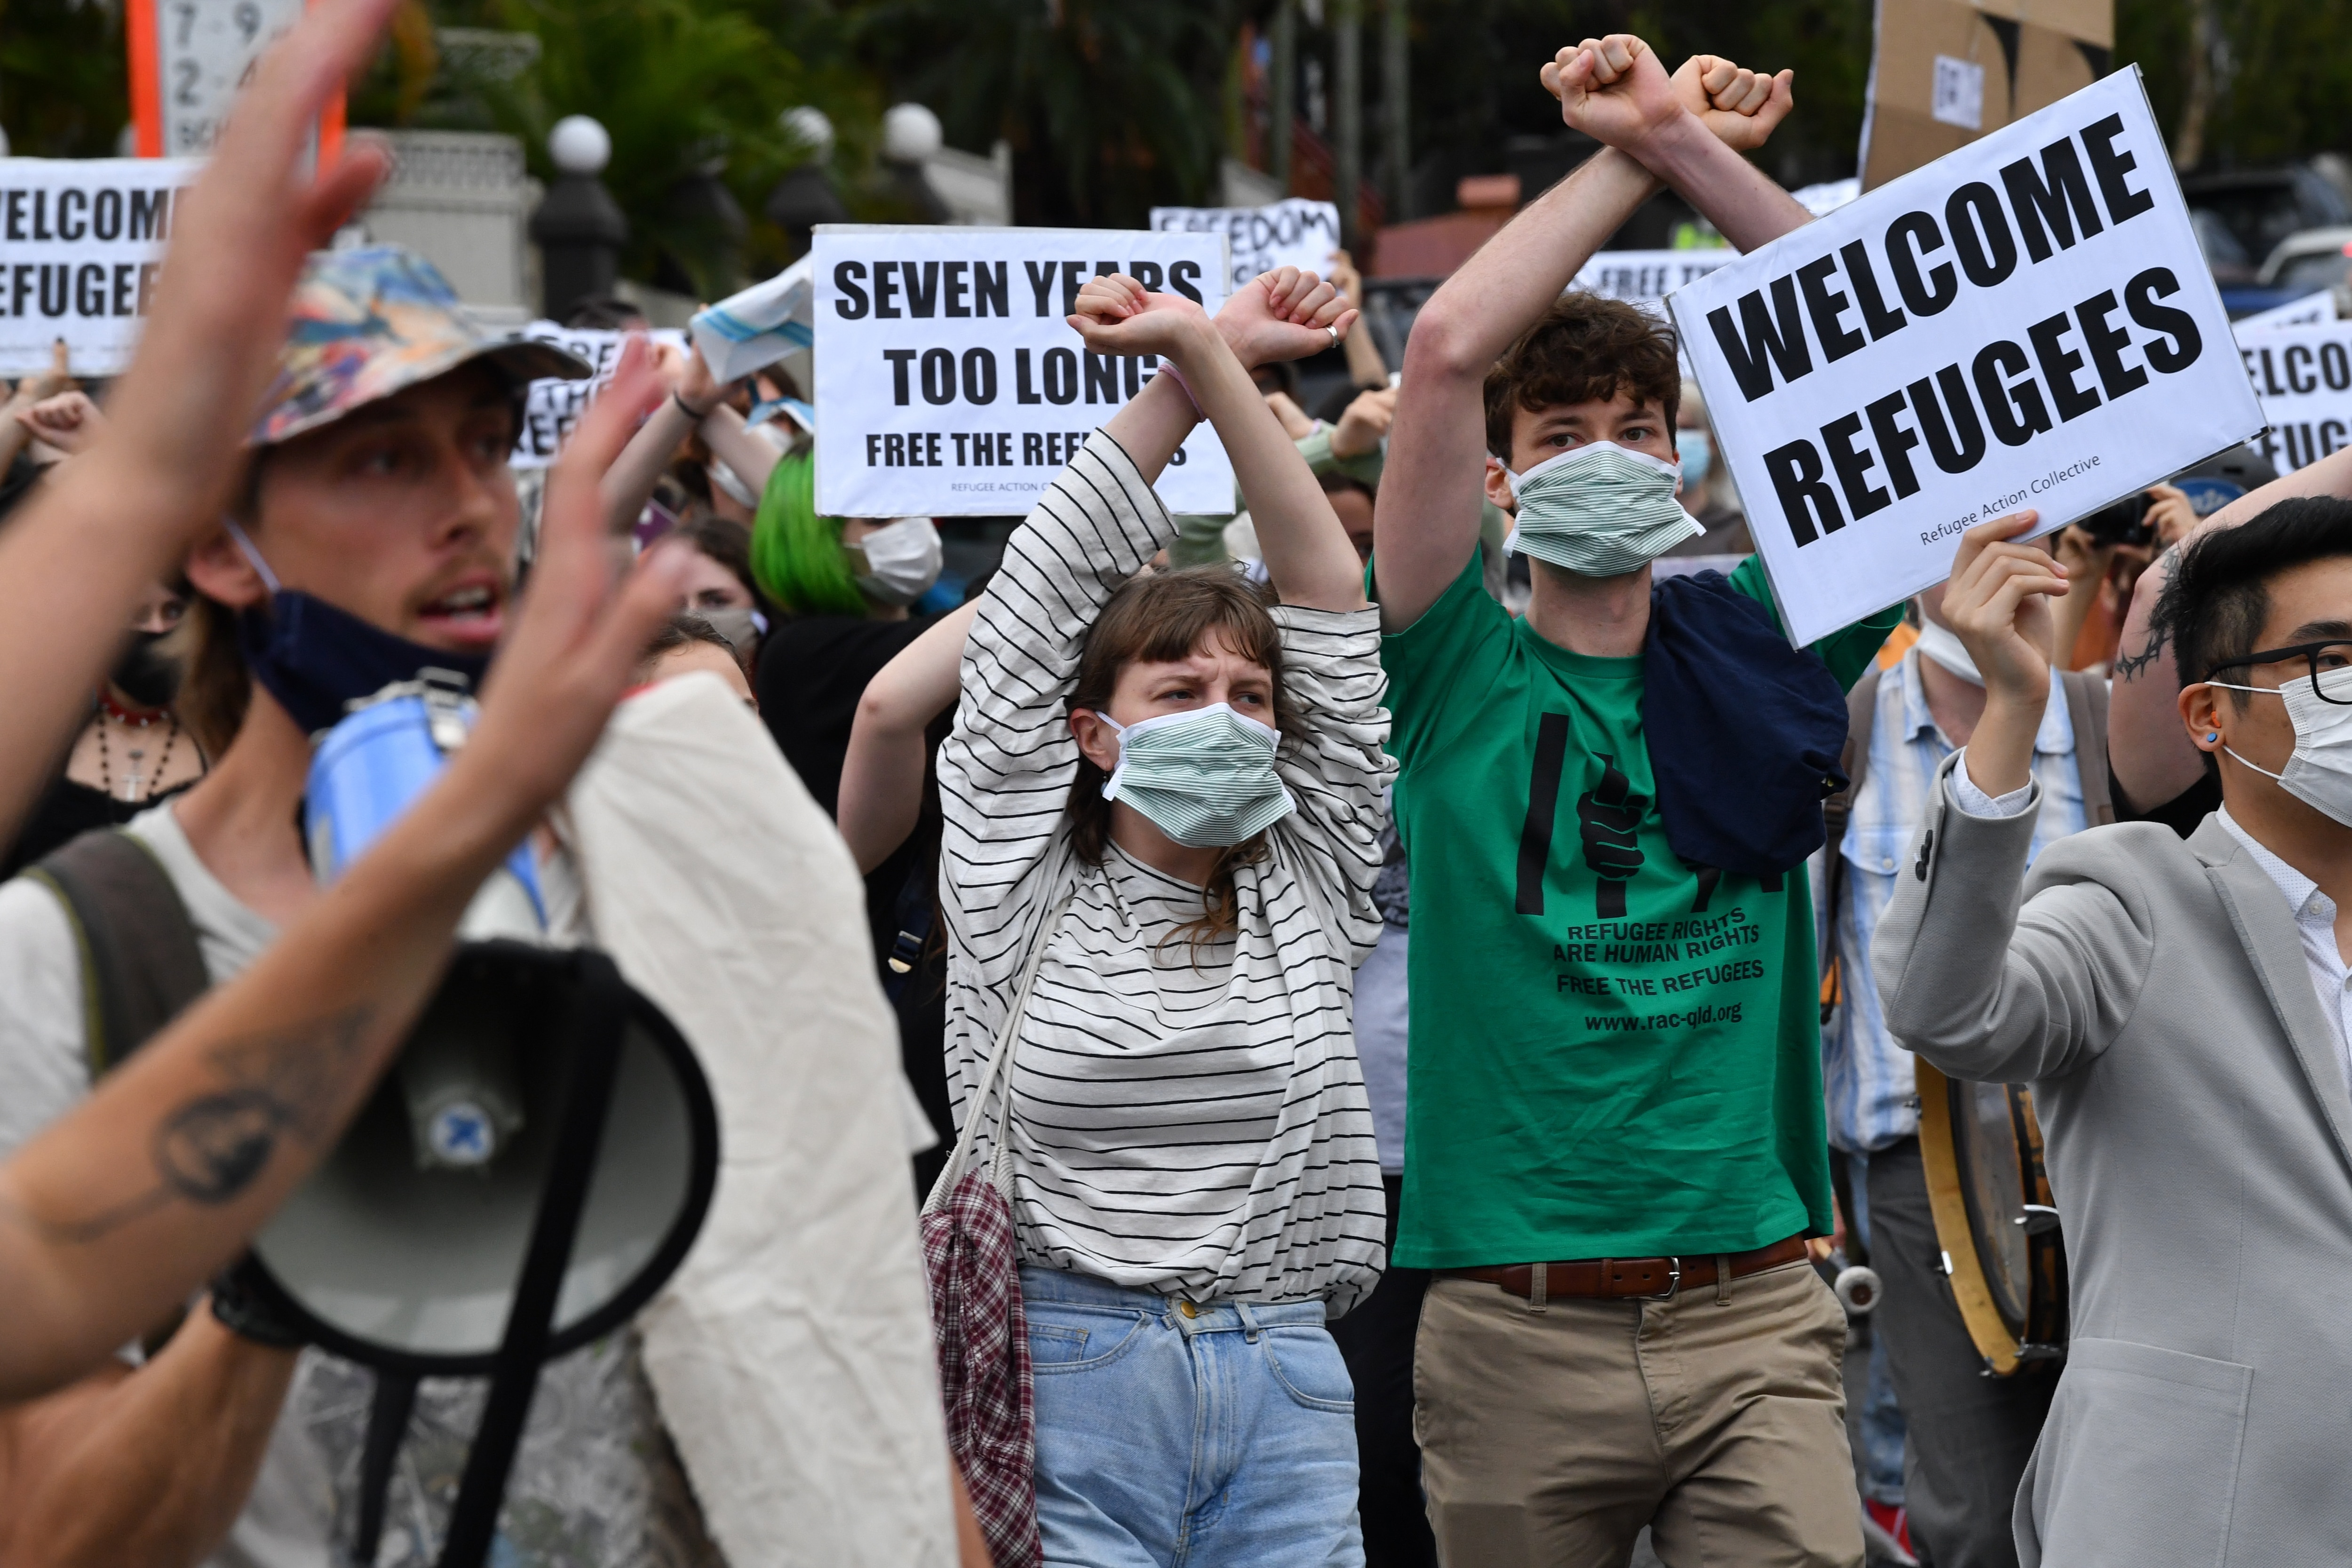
{"x": 1999, "y": 603}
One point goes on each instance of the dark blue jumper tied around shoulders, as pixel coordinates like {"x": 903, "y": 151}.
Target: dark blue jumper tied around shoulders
{"x": 1745, "y": 733}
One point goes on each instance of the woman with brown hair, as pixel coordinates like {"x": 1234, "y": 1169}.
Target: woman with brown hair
{"x": 1163, "y": 801}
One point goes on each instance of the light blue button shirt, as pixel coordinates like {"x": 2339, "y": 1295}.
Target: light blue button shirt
{"x": 1865, "y": 1077}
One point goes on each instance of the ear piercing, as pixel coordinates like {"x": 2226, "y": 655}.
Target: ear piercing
{"x": 2214, "y": 737}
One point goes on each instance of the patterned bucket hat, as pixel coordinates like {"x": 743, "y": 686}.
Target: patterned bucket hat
{"x": 369, "y": 322}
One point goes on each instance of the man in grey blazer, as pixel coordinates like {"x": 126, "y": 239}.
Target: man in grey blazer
{"x": 2180, "y": 1009}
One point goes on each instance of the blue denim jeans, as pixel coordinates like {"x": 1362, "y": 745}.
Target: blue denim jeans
{"x": 1173, "y": 1439}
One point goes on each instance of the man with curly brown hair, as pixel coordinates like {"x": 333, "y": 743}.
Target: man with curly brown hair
{"x": 1614, "y": 1145}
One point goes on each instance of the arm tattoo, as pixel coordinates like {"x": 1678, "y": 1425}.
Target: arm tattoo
{"x": 211, "y": 1148}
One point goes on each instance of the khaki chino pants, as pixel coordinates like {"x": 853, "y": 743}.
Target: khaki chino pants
{"x": 1550, "y": 1436}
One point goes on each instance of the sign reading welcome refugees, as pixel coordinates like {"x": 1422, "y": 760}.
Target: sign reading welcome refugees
{"x": 948, "y": 382}
{"x": 553, "y": 406}
{"x": 1293, "y": 232}
{"x": 80, "y": 242}
{"x": 2303, "y": 378}
{"x": 2025, "y": 323}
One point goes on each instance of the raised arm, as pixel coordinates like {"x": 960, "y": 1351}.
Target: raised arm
{"x": 1432, "y": 496}
{"x": 78, "y": 554}
{"x": 2147, "y": 745}
{"x": 1983, "y": 990}
{"x": 1688, "y": 130}
{"x": 1307, "y": 552}
{"x": 118, "y": 1211}
{"x": 882, "y": 775}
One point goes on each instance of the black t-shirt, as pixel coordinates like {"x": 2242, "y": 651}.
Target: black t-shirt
{"x": 813, "y": 669}
{"x": 2183, "y": 813}
{"x": 65, "y": 812}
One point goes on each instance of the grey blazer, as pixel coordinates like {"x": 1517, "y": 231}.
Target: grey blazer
{"x": 2196, "y": 1118}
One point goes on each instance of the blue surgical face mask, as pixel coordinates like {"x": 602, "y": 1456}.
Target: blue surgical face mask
{"x": 316, "y": 660}
{"x": 1204, "y": 777}
{"x": 1599, "y": 510}
{"x": 1697, "y": 450}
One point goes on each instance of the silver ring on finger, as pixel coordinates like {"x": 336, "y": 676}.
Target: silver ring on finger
{"x": 1335, "y": 335}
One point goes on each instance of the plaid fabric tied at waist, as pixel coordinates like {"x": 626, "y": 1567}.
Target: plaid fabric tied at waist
{"x": 977, "y": 1322}
{"x": 982, "y": 1338}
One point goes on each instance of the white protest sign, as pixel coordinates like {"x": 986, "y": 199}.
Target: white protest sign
{"x": 1636, "y": 275}
{"x": 2307, "y": 312}
{"x": 1294, "y": 232}
{"x": 81, "y": 241}
{"x": 198, "y": 56}
{"x": 2024, "y": 322}
{"x": 948, "y": 382}
{"x": 2303, "y": 378}
{"x": 553, "y": 405}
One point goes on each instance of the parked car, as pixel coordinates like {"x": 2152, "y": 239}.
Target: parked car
{"x": 2241, "y": 216}
{"x": 2308, "y": 262}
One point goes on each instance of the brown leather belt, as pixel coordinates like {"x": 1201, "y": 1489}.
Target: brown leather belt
{"x": 1624, "y": 1278}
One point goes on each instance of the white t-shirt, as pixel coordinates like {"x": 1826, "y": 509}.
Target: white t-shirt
{"x": 595, "y": 1482}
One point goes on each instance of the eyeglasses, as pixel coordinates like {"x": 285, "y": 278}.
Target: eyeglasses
{"x": 2319, "y": 655}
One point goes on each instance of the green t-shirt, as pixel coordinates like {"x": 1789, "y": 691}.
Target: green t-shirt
{"x": 1620, "y": 1065}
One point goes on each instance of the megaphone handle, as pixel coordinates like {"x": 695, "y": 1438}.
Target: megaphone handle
{"x": 388, "y": 1412}
{"x": 600, "y": 1009}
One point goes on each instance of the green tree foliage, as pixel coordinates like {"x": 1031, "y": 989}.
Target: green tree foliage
{"x": 1110, "y": 106}
{"x": 691, "y": 91}
{"x": 63, "y": 78}
{"x": 2282, "y": 75}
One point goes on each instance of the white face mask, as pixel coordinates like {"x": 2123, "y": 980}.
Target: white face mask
{"x": 899, "y": 562}
{"x": 1600, "y": 509}
{"x": 2319, "y": 770}
{"x": 728, "y": 480}
{"x": 1944, "y": 645}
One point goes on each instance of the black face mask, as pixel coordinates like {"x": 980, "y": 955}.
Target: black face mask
{"x": 145, "y": 673}
{"x": 317, "y": 659}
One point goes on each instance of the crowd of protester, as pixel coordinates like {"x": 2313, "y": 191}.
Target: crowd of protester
{"x": 1300, "y": 1179}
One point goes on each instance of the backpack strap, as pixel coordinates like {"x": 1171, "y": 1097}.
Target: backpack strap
{"x": 140, "y": 964}
{"x": 1861, "y": 718}
{"x": 2086, "y": 706}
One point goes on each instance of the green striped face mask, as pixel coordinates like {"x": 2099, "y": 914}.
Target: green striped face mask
{"x": 1599, "y": 510}
{"x": 1204, "y": 777}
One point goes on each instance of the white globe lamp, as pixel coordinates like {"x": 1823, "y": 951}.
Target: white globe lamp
{"x": 579, "y": 145}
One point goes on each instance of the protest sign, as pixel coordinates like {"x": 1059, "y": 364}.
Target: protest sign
{"x": 190, "y": 58}
{"x": 81, "y": 241}
{"x": 1944, "y": 72}
{"x": 2303, "y": 378}
{"x": 1294, "y": 232}
{"x": 2026, "y": 322}
{"x": 1646, "y": 276}
{"x": 949, "y": 383}
{"x": 2307, "y": 312}
{"x": 553, "y": 407}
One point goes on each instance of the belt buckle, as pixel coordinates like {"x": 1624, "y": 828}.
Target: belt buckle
{"x": 1674, "y": 1284}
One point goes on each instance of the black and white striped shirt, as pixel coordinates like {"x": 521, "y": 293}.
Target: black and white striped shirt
{"x": 1188, "y": 1122}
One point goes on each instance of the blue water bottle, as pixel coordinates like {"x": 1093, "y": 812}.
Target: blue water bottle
{"x": 465, "y": 1102}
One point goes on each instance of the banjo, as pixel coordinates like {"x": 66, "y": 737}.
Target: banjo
{"x": 1981, "y": 1145}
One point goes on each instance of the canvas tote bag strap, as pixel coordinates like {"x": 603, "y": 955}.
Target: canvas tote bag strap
{"x": 997, "y": 1074}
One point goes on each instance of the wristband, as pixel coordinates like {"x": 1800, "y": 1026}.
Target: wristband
{"x": 244, "y": 1312}
{"x": 1168, "y": 368}
{"x": 688, "y": 409}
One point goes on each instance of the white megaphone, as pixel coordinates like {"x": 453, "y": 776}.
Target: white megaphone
{"x": 531, "y": 1171}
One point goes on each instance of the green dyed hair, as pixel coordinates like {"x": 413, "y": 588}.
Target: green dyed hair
{"x": 795, "y": 555}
